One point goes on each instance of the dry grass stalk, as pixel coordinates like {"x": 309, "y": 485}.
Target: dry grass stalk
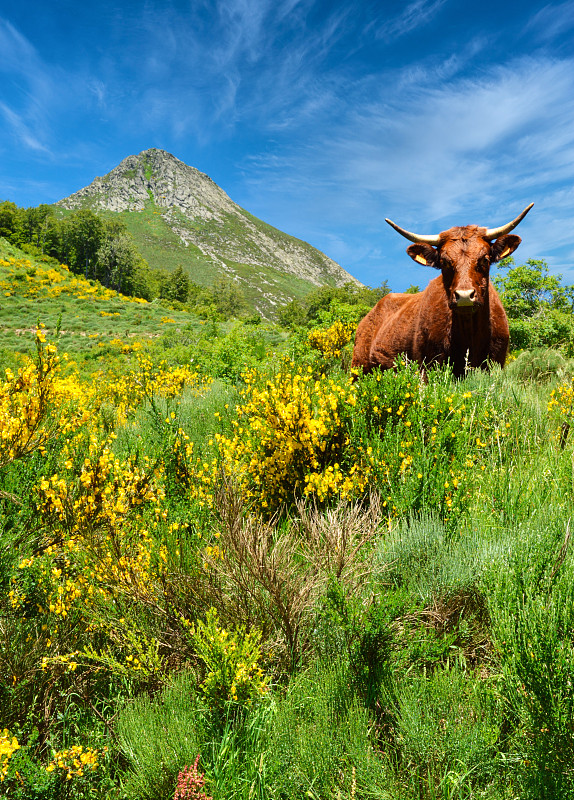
{"x": 261, "y": 579}
{"x": 334, "y": 541}
{"x": 271, "y": 573}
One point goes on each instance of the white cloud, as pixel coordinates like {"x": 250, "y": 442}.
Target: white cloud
{"x": 415, "y": 15}
{"x": 431, "y": 153}
{"x": 21, "y": 129}
{"x": 552, "y": 21}
{"x": 17, "y": 54}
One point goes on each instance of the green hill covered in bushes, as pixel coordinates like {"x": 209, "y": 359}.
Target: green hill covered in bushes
{"x": 231, "y": 570}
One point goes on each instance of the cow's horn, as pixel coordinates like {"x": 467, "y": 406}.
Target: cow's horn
{"x": 494, "y": 233}
{"x": 413, "y": 237}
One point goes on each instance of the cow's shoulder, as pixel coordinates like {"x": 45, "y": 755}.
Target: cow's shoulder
{"x": 398, "y": 301}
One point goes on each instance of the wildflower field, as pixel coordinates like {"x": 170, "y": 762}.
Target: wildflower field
{"x": 239, "y": 571}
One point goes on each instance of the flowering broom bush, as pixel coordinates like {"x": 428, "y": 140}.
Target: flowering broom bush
{"x": 147, "y": 380}
{"x": 232, "y": 662}
{"x": 93, "y": 547}
{"x": 8, "y": 746}
{"x": 35, "y": 404}
{"x": 291, "y": 437}
{"x": 331, "y": 437}
{"x": 331, "y": 341}
{"x": 562, "y": 401}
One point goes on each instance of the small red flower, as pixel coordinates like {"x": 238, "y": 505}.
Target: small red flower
{"x": 190, "y": 783}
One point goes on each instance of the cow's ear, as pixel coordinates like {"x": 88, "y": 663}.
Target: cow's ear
{"x": 423, "y": 254}
{"x": 503, "y": 247}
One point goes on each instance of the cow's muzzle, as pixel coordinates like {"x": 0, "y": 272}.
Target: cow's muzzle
{"x": 465, "y": 298}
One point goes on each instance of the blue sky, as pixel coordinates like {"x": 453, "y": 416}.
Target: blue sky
{"x": 322, "y": 118}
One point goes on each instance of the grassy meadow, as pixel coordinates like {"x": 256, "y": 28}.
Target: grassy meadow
{"x": 230, "y": 570}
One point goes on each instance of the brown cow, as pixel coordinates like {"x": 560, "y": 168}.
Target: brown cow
{"x": 458, "y": 318}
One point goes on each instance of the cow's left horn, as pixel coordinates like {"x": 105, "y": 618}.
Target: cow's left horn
{"x": 494, "y": 233}
{"x": 414, "y": 237}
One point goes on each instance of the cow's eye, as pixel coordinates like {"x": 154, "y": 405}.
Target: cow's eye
{"x": 445, "y": 263}
{"x": 484, "y": 263}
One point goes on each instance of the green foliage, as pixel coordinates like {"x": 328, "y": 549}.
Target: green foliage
{"x": 228, "y": 298}
{"x": 99, "y": 248}
{"x": 176, "y": 286}
{"x": 541, "y": 365}
{"x": 538, "y": 305}
{"x": 231, "y": 662}
{"x": 227, "y": 355}
{"x": 533, "y": 629}
{"x": 158, "y": 737}
{"x": 361, "y": 627}
{"x": 117, "y": 259}
{"x": 321, "y": 744}
{"x": 74, "y": 773}
{"x": 548, "y": 328}
{"x": 82, "y": 235}
{"x": 8, "y": 212}
{"x": 328, "y": 304}
{"x": 445, "y": 734}
{"x": 527, "y": 288}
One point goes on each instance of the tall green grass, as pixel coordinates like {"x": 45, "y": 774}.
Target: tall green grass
{"x": 413, "y": 647}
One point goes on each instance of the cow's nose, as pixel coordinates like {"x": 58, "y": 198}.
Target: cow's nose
{"x": 465, "y": 297}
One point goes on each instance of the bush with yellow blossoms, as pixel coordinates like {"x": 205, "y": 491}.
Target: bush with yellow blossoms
{"x": 561, "y": 401}
{"x": 96, "y": 535}
{"x": 291, "y": 437}
{"x": 331, "y": 341}
{"x": 75, "y": 761}
{"x": 146, "y": 380}
{"x": 8, "y": 746}
{"x": 37, "y": 404}
{"x": 231, "y": 662}
{"x": 329, "y": 436}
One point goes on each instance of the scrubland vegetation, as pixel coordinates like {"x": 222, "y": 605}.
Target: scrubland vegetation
{"x": 230, "y": 570}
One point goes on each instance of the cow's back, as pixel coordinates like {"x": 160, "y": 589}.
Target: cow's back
{"x": 387, "y": 330}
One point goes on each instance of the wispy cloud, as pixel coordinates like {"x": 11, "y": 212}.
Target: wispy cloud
{"x": 414, "y": 15}
{"x": 432, "y": 153}
{"x": 27, "y": 90}
{"x": 21, "y": 129}
{"x": 329, "y": 121}
{"x": 17, "y": 54}
{"x": 552, "y": 21}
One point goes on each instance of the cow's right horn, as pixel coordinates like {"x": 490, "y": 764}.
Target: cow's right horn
{"x": 414, "y": 237}
{"x": 494, "y": 233}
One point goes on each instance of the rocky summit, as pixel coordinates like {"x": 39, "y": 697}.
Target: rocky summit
{"x": 178, "y": 215}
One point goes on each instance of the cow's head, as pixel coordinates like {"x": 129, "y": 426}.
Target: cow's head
{"x": 464, "y": 256}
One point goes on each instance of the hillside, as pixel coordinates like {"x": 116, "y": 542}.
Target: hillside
{"x": 90, "y": 316}
{"x": 178, "y": 215}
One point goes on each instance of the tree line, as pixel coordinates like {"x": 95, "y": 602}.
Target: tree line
{"x": 102, "y": 249}
{"x": 98, "y": 248}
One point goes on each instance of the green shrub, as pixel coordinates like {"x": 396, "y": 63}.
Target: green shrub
{"x": 445, "y": 734}
{"x": 533, "y": 627}
{"x": 321, "y": 743}
{"x": 541, "y": 365}
{"x": 159, "y": 737}
{"x": 231, "y": 661}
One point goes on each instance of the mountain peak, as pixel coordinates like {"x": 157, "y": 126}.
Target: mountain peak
{"x": 211, "y": 234}
{"x": 152, "y": 176}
